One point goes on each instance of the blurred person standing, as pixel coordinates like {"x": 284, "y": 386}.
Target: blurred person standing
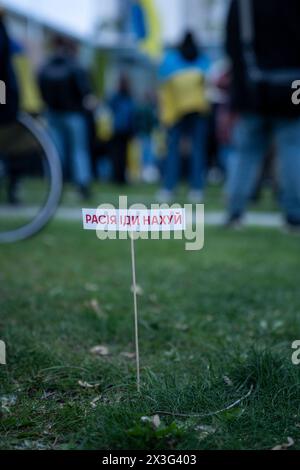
{"x": 263, "y": 43}
{"x": 123, "y": 108}
{"x": 184, "y": 112}
{"x": 10, "y": 106}
{"x": 66, "y": 90}
{"x": 147, "y": 122}
{"x": 8, "y": 110}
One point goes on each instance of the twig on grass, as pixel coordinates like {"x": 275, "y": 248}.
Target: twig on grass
{"x": 206, "y": 415}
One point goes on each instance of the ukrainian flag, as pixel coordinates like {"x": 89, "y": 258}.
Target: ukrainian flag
{"x": 147, "y": 27}
{"x": 30, "y": 97}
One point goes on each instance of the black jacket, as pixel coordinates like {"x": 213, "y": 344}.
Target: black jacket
{"x": 276, "y": 44}
{"x": 64, "y": 84}
{"x": 9, "y": 110}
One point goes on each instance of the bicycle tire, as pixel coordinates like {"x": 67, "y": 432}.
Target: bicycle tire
{"x": 47, "y": 212}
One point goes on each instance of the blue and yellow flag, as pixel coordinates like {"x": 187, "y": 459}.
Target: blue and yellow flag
{"x": 147, "y": 27}
{"x": 30, "y": 96}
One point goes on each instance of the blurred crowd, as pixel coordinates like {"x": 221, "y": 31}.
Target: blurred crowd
{"x": 229, "y": 121}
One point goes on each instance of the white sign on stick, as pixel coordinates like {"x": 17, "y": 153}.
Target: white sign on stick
{"x": 135, "y": 220}
{"x": 132, "y": 220}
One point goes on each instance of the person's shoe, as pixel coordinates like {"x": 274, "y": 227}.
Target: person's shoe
{"x": 234, "y": 221}
{"x": 292, "y": 227}
{"x": 14, "y": 200}
{"x": 195, "y": 197}
{"x": 215, "y": 176}
{"x": 165, "y": 197}
{"x": 12, "y": 197}
{"x": 85, "y": 192}
{"x": 150, "y": 175}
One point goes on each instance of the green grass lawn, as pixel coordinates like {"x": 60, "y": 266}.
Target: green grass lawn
{"x": 213, "y": 325}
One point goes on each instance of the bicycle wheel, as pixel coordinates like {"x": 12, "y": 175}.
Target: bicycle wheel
{"x": 30, "y": 179}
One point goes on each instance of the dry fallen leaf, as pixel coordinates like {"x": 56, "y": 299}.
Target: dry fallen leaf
{"x": 95, "y": 401}
{"x": 107, "y": 400}
{"x": 154, "y": 420}
{"x": 153, "y": 298}
{"x": 263, "y": 324}
{"x": 128, "y": 355}
{"x": 181, "y": 327}
{"x": 285, "y": 446}
{"x": 87, "y": 385}
{"x": 113, "y": 399}
{"x": 91, "y": 287}
{"x": 204, "y": 431}
{"x": 100, "y": 351}
{"x": 7, "y": 402}
{"x": 204, "y": 428}
{"x": 228, "y": 381}
{"x": 94, "y": 305}
{"x": 32, "y": 445}
{"x": 145, "y": 419}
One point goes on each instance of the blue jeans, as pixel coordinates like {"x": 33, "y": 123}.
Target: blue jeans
{"x": 252, "y": 137}
{"x": 70, "y": 134}
{"x": 147, "y": 150}
{"x": 195, "y": 127}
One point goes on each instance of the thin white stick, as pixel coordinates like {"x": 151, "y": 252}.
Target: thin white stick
{"x": 136, "y": 321}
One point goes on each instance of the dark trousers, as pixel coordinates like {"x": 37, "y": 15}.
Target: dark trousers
{"x": 194, "y": 126}
{"x": 119, "y": 157}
